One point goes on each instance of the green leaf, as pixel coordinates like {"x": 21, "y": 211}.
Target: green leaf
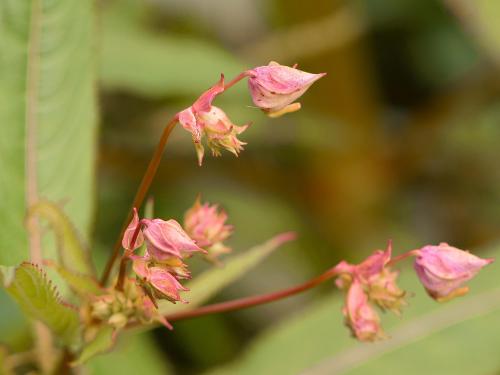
{"x": 29, "y": 287}
{"x": 47, "y": 96}
{"x": 458, "y": 337}
{"x": 103, "y": 342}
{"x": 150, "y": 64}
{"x": 209, "y": 283}
{"x": 134, "y": 354}
{"x": 481, "y": 18}
{"x": 72, "y": 253}
{"x": 80, "y": 284}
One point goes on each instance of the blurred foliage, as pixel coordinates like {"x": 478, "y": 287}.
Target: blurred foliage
{"x": 430, "y": 338}
{"x": 398, "y": 141}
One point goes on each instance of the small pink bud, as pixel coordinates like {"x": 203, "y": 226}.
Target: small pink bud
{"x": 167, "y": 238}
{"x": 204, "y": 119}
{"x": 207, "y": 226}
{"x": 165, "y": 285}
{"x": 360, "y": 316}
{"x": 129, "y": 233}
{"x": 275, "y": 87}
{"x": 444, "y": 269}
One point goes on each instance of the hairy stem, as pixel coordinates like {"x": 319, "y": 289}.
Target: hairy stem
{"x": 141, "y": 194}
{"x": 246, "y": 302}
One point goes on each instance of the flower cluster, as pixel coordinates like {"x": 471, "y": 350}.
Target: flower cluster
{"x": 161, "y": 267}
{"x": 441, "y": 269}
{"x": 273, "y": 88}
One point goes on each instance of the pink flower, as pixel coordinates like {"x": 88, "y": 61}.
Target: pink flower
{"x": 165, "y": 239}
{"x": 360, "y": 316}
{"x": 444, "y": 269}
{"x": 275, "y": 87}
{"x": 129, "y": 233}
{"x": 207, "y": 226}
{"x": 202, "y": 118}
{"x": 377, "y": 279}
{"x": 164, "y": 285}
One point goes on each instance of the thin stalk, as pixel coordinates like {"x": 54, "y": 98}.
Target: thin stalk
{"x": 246, "y": 302}
{"x": 125, "y": 258}
{"x": 141, "y": 194}
{"x": 147, "y": 180}
{"x": 401, "y": 257}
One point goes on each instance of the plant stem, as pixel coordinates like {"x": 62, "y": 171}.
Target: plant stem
{"x": 147, "y": 180}
{"x": 246, "y": 302}
{"x": 125, "y": 258}
{"x": 401, "y": 257}
{"x": 141, "y": 194}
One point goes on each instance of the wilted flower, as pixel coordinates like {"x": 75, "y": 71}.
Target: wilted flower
{"x": 444, "y": 269}
{"x": 202, "y": 118}
{"x": 129, "y": 233}
{"x": 207, "y": 226}
{"x": 360, "y": 316}
{"x": 163, "y": 284}
{"x": 165, "y": 239}
{"x": 275, "y": 87}
{"x": 377, "y": 279}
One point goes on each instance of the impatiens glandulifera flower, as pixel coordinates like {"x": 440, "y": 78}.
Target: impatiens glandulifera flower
{"x": 377, "y": 279}
{"x": 360, "y": 316}
{"x": 275, "y": 87}
{"x": 202, "y": 118}
{"x": 207, "y": 226}
{"x": 444, "y": 269}
{"x": 129, "y": 233}
{"x": 165, "y": 239}
{"x": 162, "y": 283}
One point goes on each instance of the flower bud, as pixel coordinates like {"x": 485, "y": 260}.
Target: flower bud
{"x": 167, "y": 238}
{"x": 444, "y": 269}
{"x": 360, "y": 316}
{"x": 129, "y": 233}
{"x": 118, "y": 320}
{"x": 275, "y": 87}
{"x": 165, "y": 286}
{"x": 206, "y": 225}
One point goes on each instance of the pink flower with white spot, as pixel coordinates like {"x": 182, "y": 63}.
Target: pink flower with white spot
{"x": 275, "y": 87}
{"x": 444, "y": 269}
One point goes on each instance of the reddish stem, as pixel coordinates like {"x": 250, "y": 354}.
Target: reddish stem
{"x": 123, "y": 263}
{"x": 148, "y": 179}
{"x": 243, "y": 303}
{"x": 141, "y": 194}
{"x": 401, "y": 257}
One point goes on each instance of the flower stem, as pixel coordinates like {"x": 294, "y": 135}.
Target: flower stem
{"x": 125, "y": 257}
{"x": 235, "y": 80}
{"x": 246, "y": 302}
{"x": 141, "y": 194}
{"x": 403, "y": 256}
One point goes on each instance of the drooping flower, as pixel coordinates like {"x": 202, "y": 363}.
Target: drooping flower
{"x": 165, "y": 239}
{"x": 377, "y": 279}
{"x": 206, "y": 224}
{"x": 204, "y": 119}
{"x": 275, "y": 87}
{"x": 443, "y": 269}
{"x": 129, "y": 233}
{"x": 360, "y": 316}
{"x": 162, "y": 283}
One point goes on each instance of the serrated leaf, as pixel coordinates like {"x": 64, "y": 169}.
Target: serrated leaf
{"x": 47, "y": 95}
{"x": 72, "y": 252}
{"x": 209, "y": 283}
{"x": 38, "y": 299}
{"x": 459, "y": 337}
{"x": 103, "y": 342}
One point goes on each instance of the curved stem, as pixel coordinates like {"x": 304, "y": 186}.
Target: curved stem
{"x": 235, "y": 80}
{"x": 141, "y": 194}
{"x": 246, "y": 302}
{"x": 403, "y": 256}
